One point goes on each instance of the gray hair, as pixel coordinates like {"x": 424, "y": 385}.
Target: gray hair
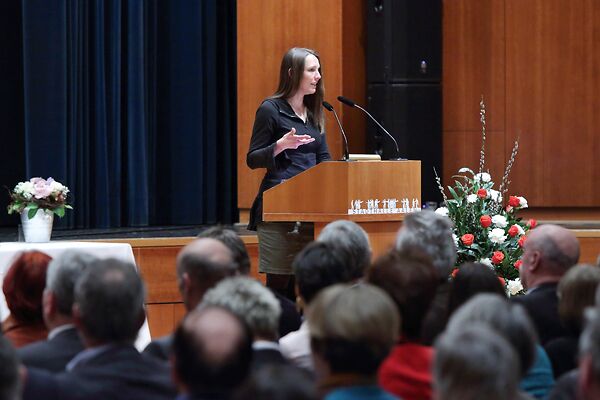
{"x": 589, "y": 342}
{"x": 62, "y": 275}
{"x": 431, "y": 233}
{"x": 474, "y": 362}
{"x": 508, "y": 319}
{"x": 110, "y": 298}
{"x": 353, "y": 240}
{"x": 249, "y": 300}
{"x": 10, "y": 384}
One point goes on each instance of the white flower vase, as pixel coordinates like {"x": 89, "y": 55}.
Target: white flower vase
{"x": 39, "y": 228}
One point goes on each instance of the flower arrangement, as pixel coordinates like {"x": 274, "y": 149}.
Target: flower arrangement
{"x": 485, "y": 229}
{"x": 39, "y": 194}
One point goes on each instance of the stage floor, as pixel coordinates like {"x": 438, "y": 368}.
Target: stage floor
{"x": 11, "y": 234}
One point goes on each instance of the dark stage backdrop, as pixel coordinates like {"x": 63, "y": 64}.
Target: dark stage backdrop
{"x": 131, "y": 104}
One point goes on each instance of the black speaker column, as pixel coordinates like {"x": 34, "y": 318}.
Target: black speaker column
{"x": 404, "y": 92}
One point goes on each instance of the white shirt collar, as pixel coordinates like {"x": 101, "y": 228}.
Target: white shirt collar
{"x": 54, "y": 332}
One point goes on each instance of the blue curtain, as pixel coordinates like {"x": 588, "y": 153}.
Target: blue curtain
{"x": 131, "y": 103}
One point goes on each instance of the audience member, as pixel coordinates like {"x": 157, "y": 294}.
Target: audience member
{"x": 260, "y": 310}
{"x": 352, "y": 330}
{"x": 108, "y": 311}
{"x": 353, "y": 241}
{"x": 290, "y": 318}
{"x": 471, "y": 279}
{"x": 548, "y": 253}
{"x": 431, "y": 234}
{"x": 511, "y": 321}
{"x": 411, "y": 281}
{"x": 212, "y": 352}
{"x": 473, "y": 362}
{"x": 10, "y": 381}
{"x": 576, "y": 292}
{"x": 200, "y": 265}
{"x": 23, "y": 287}
{"x": 282, "y": 382}
{"x": 63, "y": 341}
{"x": 317, "y": 266}
{"x": 589, "y": 357}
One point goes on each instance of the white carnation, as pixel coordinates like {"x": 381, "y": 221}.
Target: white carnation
{"x": 497, "y": 236}
{"x": 472, "y": 198}
{"x": 499, "y": 221}
{"x": 442, "y": 211}
{"x": 483, "y": 177}
{"x": 522, "y": 202}
{"x": 494, "y": 195}
{"x": 487, "y": 262}
{"x": 514, "y": 287}
{"x": 455, "y": 238}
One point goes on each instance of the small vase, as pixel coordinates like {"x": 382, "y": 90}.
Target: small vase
{"x": 39, "y": 228}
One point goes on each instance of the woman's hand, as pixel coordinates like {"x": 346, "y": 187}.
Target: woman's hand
{"x": 291, "y": 141}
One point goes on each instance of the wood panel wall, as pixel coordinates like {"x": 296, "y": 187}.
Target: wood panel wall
{"x": 266, "y": 29}
{"x": 537, "y": 63}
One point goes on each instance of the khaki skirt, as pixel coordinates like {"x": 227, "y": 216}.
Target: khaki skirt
{"x": 278, "y": 244}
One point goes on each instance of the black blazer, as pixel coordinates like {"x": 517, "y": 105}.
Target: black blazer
{"x": 542, "y": 306}
{"x": 264, "y": 357}
{"x": 160, "y": 348}
{"x": 53, "y": 354}
{"x": 120, "y": 373}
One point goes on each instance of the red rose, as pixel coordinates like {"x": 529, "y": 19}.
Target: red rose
{"x": 454, "y": 272}
{"x": 497, "y": 257}
{"x": 482, "y": 193}
{"x": 522, "y": 240}
{"x": 517, "y": 264}
{"x": 532, "y": 223}
{"x": 486, "y": 221}
{"x": 502, "y": 281}
{"x": 514, "y": 201}
{"x": 467, "y": 239}
{"x": 513, "y": 231}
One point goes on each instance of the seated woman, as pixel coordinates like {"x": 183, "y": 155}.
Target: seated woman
{"x": 352, "y": 330}
{"x": 576, "y": 292}
{"x": 23, "y": 288}
{"x": 411, "y": 281}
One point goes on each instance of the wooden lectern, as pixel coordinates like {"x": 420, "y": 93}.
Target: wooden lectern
{"x": 374, "y": 194}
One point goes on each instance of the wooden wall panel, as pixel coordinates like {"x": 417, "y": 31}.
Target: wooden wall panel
{"x": 551, "y": 100}
{"x": 266, "y": 29}
{"x": 537, "y": 63}
{"x": 473, "y": 64}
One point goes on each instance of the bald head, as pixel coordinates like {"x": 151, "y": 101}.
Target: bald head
{"x": 549, "y": 251}
{"x": 213, "y": 350}
{"x": 201, "y": 265}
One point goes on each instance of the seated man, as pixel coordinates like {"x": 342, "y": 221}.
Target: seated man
{"x": 63, "y": 341}
{"x": 108, "y": 312}
{"x": 211, "y": 354}
{"x": 258, "y": 307}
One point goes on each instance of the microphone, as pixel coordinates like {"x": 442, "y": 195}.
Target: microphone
{"x": 350, "y": 103}
{"x": 329, "y": 107}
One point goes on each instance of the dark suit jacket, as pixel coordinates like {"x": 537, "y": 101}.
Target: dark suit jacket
{"x": 119, "y": 373}
{"x": 290, "y": 319}
{"x": 264, "y": 357}
{"x": 542, "y": 306}
{"x": 160, "y": 348}
{"x": 53, "y": 354}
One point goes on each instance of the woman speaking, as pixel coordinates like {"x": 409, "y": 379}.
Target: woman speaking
{"x": 287, "y": 138}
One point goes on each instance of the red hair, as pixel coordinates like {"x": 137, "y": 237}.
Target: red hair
{"x": 24, "y": 285}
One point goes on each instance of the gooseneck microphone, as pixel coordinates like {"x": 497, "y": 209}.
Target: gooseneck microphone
{"x": 329, "y": 107}
{"x": 350, "y": 103}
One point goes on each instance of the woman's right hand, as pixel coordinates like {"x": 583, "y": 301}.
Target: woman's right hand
{"x": 292, "y": 141}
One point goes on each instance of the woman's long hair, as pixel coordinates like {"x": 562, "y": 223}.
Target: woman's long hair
{"x": 290, "y": 75}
